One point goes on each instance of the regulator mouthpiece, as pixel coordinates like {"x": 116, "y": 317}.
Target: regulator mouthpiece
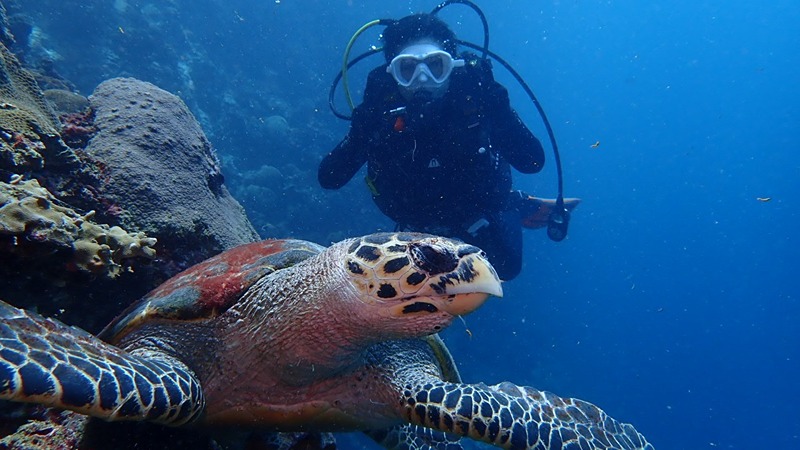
{"x": 558, "y": 222}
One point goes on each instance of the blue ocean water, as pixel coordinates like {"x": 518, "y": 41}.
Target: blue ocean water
{"x": 674, "y": 304}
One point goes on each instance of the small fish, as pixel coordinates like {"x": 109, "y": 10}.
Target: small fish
{"x": 764, "y": 199}
{"x": 595, "y": 145}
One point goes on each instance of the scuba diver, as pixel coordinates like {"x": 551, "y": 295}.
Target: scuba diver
{"x": 439, "y": 137}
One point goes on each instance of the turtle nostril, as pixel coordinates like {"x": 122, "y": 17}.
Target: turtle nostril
{"x": 433, "y": 259}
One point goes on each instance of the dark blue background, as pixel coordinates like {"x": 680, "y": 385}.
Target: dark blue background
{"x": 674, "y": 302}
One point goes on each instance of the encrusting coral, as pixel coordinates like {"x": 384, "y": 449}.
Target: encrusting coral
{"x": 57, "y": 430}
{"x": 29, "y": 130}
{"x": 33, "y": 223}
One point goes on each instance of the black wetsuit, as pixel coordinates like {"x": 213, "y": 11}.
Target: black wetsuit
{"x": 442, "y": 166}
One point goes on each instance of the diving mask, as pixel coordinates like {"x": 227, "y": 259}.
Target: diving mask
{"x": 422, "y": 66}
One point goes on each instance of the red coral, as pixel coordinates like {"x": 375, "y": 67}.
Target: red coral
{"x": 103, "y": 172}
{"x": 111, "y": 209}
{"x": 78, "y": 128}
{"x": 19, "y": 140}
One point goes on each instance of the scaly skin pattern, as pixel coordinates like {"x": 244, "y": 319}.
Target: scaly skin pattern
{"x": 413, "y": 437}
{"x": 517, "y": 417}
{"x": 504, "y": 415}
{"x": 44, "y": 361}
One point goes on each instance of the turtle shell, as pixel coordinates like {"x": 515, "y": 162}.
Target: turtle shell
{"x": 209, "y": 288}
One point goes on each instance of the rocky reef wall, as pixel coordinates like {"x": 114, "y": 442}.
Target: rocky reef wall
{"x": 161, "y": 173}
{"x": 105, "y": 199}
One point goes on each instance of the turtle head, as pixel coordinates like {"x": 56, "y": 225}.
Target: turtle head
{"x": 414, "y": 284}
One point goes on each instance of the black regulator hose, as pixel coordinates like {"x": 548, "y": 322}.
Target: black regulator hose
{"x": 558, "y": 222}
{"x": 338, "y": 78}
{"x": 484, "y": 22}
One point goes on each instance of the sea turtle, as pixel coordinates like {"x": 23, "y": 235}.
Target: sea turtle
{"x": 286, "y": 335}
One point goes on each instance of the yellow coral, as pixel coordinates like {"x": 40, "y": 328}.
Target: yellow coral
{"x": 28, "y": 211}
{"x": 22, "y": 105}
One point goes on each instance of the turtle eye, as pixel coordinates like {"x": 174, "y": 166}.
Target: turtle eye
{"x": 433, "y": 259}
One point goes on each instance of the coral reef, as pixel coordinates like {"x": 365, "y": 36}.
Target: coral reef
{"x": 6, "y": 37}
{"x": 111, "y": 202}
{"x": 162, "y": 172}
{"x": 28, "y": 127}
{"x": 78, "y": 128}
{"x": 294, "y": 440}
{"x": 148, "y": 178}
{"x": 55, "y": 431}
{"x": 34, "y": 225}
{"x": 65, "y": 102}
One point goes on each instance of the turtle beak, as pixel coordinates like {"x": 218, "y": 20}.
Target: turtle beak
{"x": 459, "y": 292}
{"x": 477, "y": 281}
{"x": 483, "y": 279}
{"x": 463, "y": 304}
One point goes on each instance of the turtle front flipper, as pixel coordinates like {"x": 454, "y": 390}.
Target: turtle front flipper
{"x": 517, "y": 417}
{"x": 44, "y": 361}
{"x": 415, "y": 437}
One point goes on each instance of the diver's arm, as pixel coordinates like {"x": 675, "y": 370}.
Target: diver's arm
{"x": 516, "y": 142}
{"x": 339, "y": 166}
